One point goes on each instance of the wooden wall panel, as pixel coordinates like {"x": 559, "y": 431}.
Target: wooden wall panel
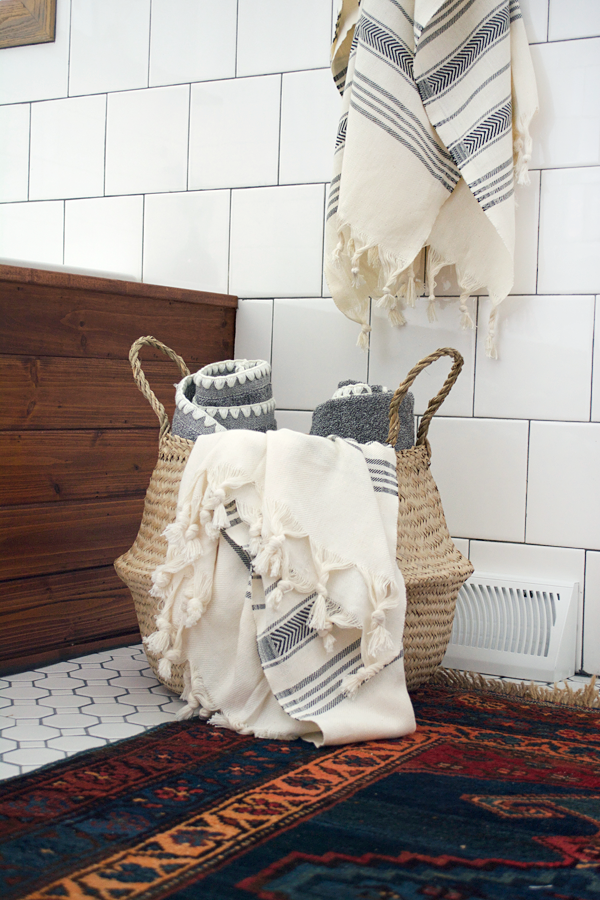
{"x": 62, "y": 393}
{"x": 59, "y": 537}
{"x": 51, "y": 617}
{"x": 42, "y": 320}
{"x": 78, "y": 443}
{"x": 48, "y": 466}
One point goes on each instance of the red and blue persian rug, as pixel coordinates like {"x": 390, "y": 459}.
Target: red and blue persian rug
{"x": 493, "y": 798}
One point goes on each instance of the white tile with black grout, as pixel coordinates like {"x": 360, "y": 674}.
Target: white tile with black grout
{"x": 54, "y": 711}
{"x": 101, "y": 706}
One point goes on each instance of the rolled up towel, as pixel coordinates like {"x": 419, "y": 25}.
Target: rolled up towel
{"x": 361, "y": 411}
{"x": 234, "y": 393}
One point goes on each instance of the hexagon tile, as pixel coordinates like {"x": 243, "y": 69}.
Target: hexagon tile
{"x": 51, "y": 713}
{"x": 56, "y": 711}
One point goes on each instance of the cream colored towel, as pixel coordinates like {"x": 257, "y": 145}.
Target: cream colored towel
{"x": 281, "y": 591}
{"x": 437, "y": 101}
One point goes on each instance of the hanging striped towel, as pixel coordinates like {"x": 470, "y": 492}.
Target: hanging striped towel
{"x": 437, "y": 101}
{"x": 280, "y": 591}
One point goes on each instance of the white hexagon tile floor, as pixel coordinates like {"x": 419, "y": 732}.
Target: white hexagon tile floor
{"x": 55, "y": 711}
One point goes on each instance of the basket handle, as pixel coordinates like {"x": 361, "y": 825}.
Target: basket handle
{"x": 140, "y": 378}
{"x": 434, "y": 403}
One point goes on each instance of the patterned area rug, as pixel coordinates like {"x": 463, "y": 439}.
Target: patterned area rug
{"x": 492, "y": 797}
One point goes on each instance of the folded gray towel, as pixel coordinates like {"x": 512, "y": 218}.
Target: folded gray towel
{"x": 235, "y": 393}
{"x": 361, "y": 411}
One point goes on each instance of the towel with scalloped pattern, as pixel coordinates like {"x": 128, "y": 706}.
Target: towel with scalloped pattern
{"x": 232, "y": 394}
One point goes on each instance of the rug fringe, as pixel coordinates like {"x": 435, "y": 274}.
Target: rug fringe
{"x": 587, "y": 696}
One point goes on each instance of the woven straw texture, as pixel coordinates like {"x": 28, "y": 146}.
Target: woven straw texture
{"x": 433, "y": 569}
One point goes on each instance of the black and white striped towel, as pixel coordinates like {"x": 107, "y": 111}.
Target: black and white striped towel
{"x": 281, "y": 592}
{"x": 437, "y": 100}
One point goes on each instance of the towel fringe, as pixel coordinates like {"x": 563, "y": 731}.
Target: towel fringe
{"x": 353, "y": 682}
{"x": 363, "y": 337}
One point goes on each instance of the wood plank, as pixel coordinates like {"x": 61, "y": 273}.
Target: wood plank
{"x": 59, "y": 537}
{"x": 71, "y": 281}
{"x": 44, "y": 393}
{"x": 47, "y": 321}
{"x": 46, "y": 618}
{"x": 49, "y": 466}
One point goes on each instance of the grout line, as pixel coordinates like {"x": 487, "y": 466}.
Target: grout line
{"x": 537, "y": 237}
{"x": 584, "y": 37}
{"x": 105, "y": 144}
{"x": 64, "y": 230}
{"x": 477, "y": 338}
{"x": 237, "y": 21}
{"x": 548, "y": 22}
{"x": 279, "y": 133}
{"x": 229, "y": 240}
{"x": 149, "y": 40}
{"x": 527, "y": 482}
{"x": 582, "y": 588}
{"x": 370, "y": 335}
{"x": 272, "y": 329}
{"x": 143, "y": 236}
{"x": 69, "y": 53}
{"x": 592, "y": 392}
{"x": 189, "y": 136}
{"x": 325, "y": 195}
{"x": 29, "y": 157}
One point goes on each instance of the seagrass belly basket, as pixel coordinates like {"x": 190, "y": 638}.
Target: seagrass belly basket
{"x": 433, "y": 569}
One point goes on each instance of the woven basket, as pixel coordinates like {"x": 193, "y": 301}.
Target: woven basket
{"x": 432, "y": 567}
{"x": 434, "y": 570}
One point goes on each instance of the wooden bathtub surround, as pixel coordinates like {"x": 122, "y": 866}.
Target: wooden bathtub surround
{"x": 78, "y": 443}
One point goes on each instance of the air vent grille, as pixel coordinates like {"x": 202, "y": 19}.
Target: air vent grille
{"x": 517, "y": 628}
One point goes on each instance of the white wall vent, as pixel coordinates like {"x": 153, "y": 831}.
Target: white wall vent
{"x": 521, "y": 629}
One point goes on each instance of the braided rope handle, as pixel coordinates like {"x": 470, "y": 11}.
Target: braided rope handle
{"x": 140, "y": 378}
{"x": 434, "y": 403}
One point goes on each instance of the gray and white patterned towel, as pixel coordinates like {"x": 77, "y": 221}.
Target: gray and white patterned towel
{"x": 232, "y": 394}
{"x": 361, "y": 411}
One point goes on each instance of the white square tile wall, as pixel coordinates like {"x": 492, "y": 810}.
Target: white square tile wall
{"x": 596, "y": 367}
{"x": 310, "y": 109}
{"x": 186, "y": 240}
{"x": 535, "y": 16}
{"x": 480, "y": 467}
{"x": 294, "y": 420}
{"x": 192, "y": 40}
{"x": 563, "y": 500}
{"x": 277, "y": 241}
{"x": 38, "y": 71}
{"x": 104, "y": 236}
{"x": 234, "y": 132}
{"x": 568, "y": 78}
{"x": 573, "y": 19}
{"x": 109, "y": 46}
{"x": 146, "y": 140}
{"x": 32, "y": 232}
{"x": 189, "y": 143}
{"x": 282, "y": 37}
{"x": 545, "y": 364}
{"x": 14, "y": 152}
{"x": 67, "y": 148}
{"x": 312, "y": 352}
{"x": 569, "y": 231}
{"x": 395, "y": 350}
{"x": 254, "y": 329}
